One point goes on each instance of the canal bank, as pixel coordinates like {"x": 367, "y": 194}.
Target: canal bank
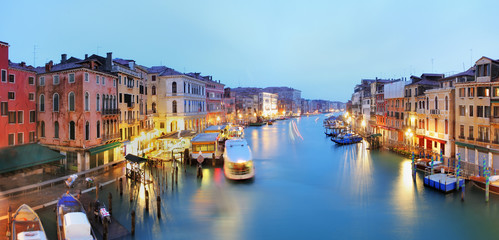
{"x": 307, "y": 188}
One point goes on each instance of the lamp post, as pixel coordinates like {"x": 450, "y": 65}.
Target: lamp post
{"x": 363, "y": 124}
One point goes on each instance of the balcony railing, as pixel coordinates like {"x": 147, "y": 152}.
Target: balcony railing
{"x": 109, "y": 111}
{"x": 435, "y": 111}
{"x": 483, "y": 140}
{"x": 461, "y": 136}
{"x": 110, "y": 137}
{"x": 421, "y": 111}
{"x": 470, "y": 138}
{"x": 420, "y": 131}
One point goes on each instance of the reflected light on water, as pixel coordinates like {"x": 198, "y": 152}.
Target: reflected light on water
{"x": 404, "y": 194}
{"x": 357, "y": 168}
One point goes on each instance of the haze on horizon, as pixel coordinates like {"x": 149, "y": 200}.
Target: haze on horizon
{"x": 322, "y": 48}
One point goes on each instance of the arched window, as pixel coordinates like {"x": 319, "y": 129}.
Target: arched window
{"x": 446, "y": 103}
{"x": 72, "y": 130}
{"x": 97, "y": 105}
{"x": 42, "y": 103}
{"x": 56, "y": 129}
{"x": 55, "y": 102}
{"x": 98, "y": 129}
{"x": 87, "y": 131}
{"x": 436, "y": 102}
{"x": 174, "y": 106}
{"x": 174, "y": 87}
{"x": 427, "y": 103}
{"x": 42, "y": 129}
{"x": 87, "y": 103}
{"x": 153, "y": 90}
{"x": 153, "y": 107}
{"x": 71, "y": 101}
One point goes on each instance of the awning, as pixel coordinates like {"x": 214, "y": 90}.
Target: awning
{"x": 103, "y": 148}
{"x": 23, "y": 156}
{"x": 376, "y": 135}
{"x": 484, "y": 149}
{"x": 135, "y": 159}
{"x": 436, "y": 140}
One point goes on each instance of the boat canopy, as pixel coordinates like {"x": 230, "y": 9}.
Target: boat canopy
{"x": 205, "y": 137}
{"x": 77, "y": 226}
{"x": 237, "y": 150}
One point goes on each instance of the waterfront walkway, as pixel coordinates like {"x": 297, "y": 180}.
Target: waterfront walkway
{"x": 48, "y": 194}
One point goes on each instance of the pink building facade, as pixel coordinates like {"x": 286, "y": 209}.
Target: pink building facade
{"x": 77, "y": 111}
{"x": 17, "y": 101}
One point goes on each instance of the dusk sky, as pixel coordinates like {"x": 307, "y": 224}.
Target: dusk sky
{"x": 322, "y": 48}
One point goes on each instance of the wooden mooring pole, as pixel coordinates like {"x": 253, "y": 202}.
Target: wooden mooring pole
{"x": 110, "y": 203}
{"x": 133, "y": 222}
{"x": 121, "y": 186}
{"x": 158, "y": 203}
{"x": 147, "y": 201}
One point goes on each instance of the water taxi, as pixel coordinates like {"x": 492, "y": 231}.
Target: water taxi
{"x": 206, "y": 144}
{"x": 72, "y": 222}
{"x": 238, "y": 160}
{"x": 27, "y": 225}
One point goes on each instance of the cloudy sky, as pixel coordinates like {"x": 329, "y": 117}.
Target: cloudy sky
{"x": 320, "y": 47}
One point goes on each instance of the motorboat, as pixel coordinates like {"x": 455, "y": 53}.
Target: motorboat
{"x": 238, "y": 160}
{"x": 27, "y": 225}
{"x": 72, "y": 222}
{"x": 480, "y": 181}
{"x": 347, "y": 138}
{"x": 424, "y": 164}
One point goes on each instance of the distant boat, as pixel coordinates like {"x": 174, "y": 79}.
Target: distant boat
{"x": 72, "y": 221}
{"x": 270, "y": 122}
{"x": 256, "y": 124}
{"x": 347, "y": 138}
{"x": 27, "y": 225}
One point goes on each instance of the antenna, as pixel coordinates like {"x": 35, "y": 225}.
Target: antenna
{"x": 34, "y": 55}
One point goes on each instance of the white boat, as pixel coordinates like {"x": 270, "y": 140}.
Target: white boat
{"x": 27, "y": 225}
{"x": 238, "y": 160}
{"x": 72, "y": 222}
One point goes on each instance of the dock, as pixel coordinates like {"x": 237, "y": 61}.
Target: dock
{"x": 443, "y": 182}
{"x": 115, "y": 229}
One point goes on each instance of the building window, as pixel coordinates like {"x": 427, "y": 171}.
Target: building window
{"x": 32, "y": 116}
{"x": 174, "y": 87}
{"x": 55, "y": 102}
{"x": 471, "y": 110}
{"x": 56, "y": 129}
{"x": 55, "y": 80}
{"x": 4, "y": 75}
{"x": 87, "y": 77}
{"x": 72, "y": 130}
{"x": 42, "y": 129}
{"x": 4, "y": 108}
{"x": 446, "y": 126}
{"x": 71, "y": 78}
{"x": 153, "y": 107}
{"x": 461, "y": 131}
{"x": 11, "y": 96}
{"x": 436, "y": 102}
{"x": 87, "y": 104}
{"x": 31, "y": 137}
{"x": 20, "y": 117}
{"x": 174, "y": 106}
{"x": 12, "y": 78}
{"x": 496, "y": 111}
{"x": 98, "y": 129}
{"x": 97, "y": 78}
{"x": 42, "y": 103}
{"x": 20, "y": 138}
{"x": 486, "y": 111}
{"x": 31, "y": 80}
{"x": 103, "y": 81}
{"x": 42, "y": 81}
{"x": 446, "y": 103}
{"x": 11, "y": 139}
{"x": 71, "y": 101}
{"x": 119, "y": 79}
{"x": 87, "y": 131}
{"x": 471, "y": 92}
{"x": 483, "y": 92}
{"x": 114, "y": 82}
{"x": 98, "y": 103}
{"x": 496, "y": 92}
{"x": 12, "y": 117}
{"x": 31, "y": 96}
{"x": 153, "y": 90}
{"x": 436, "y": 125}
{"x": 153, "y": 77}
{"x": 470, "y": 133}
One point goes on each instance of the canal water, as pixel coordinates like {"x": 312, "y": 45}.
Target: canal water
{"x": 306, "y": 187}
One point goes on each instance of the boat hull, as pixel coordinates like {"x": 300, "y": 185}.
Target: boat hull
{"x": 480, "y": 182}
{"x": 230, "y": 175}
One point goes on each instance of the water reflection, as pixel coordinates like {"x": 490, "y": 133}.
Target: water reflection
{"x": 357, "y": 168}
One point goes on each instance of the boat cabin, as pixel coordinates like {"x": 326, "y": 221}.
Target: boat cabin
{"x": 135, "y": 168}
{"x": 220, "y": 129}
{"x": 207, "y": 144}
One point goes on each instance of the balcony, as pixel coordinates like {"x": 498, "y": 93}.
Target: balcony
{"x": 109, "y": 111}
{"x": 110, "y": 137}
{"x": 486, "y": 140}
{"x": 130, "y": 104}
{"x": 420, "y": 131}
{"x": 471, "y": 138}
{"x": 421, "y": 111}
{"x": 494, "y": 119}
{"x": 461, "y": 137}
{"x": 117, "y": 68}
{"x": 435, "y": 111}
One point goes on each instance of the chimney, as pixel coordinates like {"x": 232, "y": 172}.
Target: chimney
{"x": 86, "y": 56}
{"x": 63, "y": 58}
{"x": 48, "y": 66}
{"x": 109, "y": 60}
{"x": 23, "y": 64}
{"x": 92, "y": 64}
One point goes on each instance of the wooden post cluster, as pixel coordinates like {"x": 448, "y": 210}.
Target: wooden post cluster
{"x": 158, "y": 203}
{"x": 133, "y": 222}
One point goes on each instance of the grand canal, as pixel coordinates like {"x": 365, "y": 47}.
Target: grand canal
{"x": 307, "y": 187}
